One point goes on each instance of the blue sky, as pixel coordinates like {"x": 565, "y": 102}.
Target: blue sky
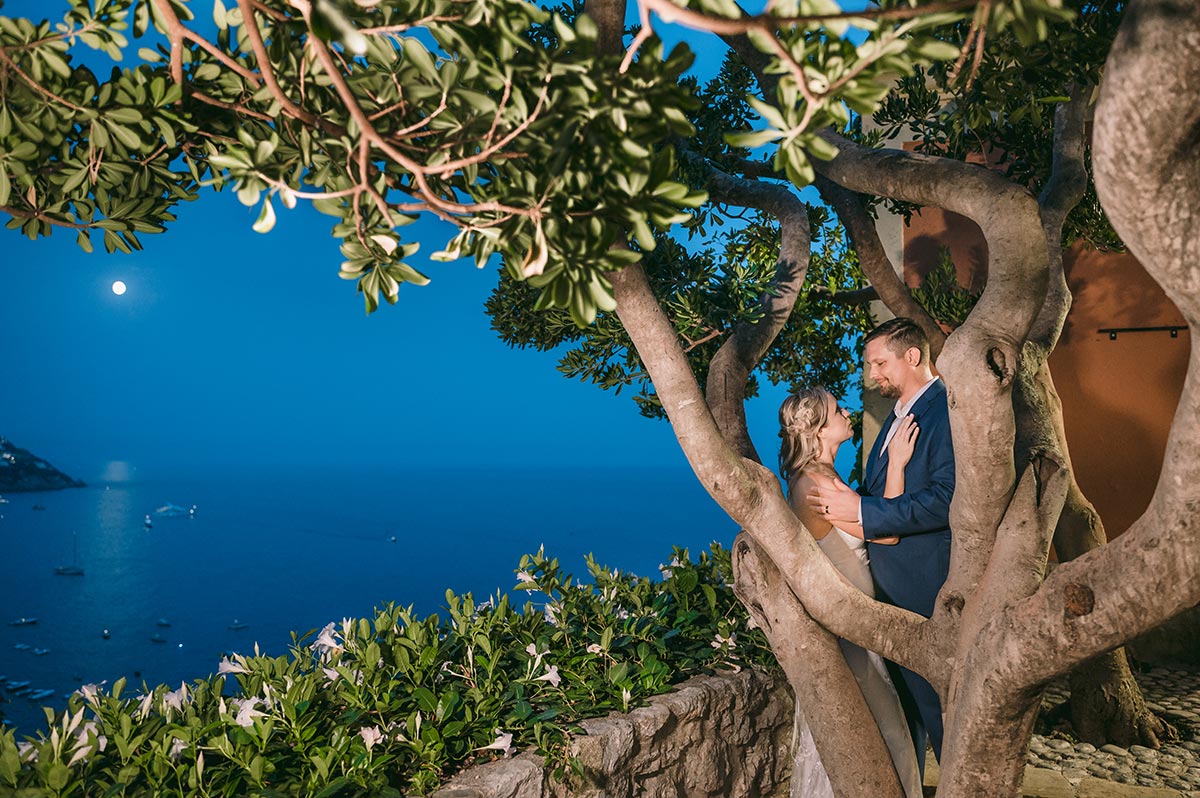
{"x": 231, "y": 346}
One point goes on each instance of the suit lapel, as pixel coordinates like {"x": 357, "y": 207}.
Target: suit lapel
{"x": 877, "y": 462}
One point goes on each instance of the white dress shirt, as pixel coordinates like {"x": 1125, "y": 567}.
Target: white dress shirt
{"x": 902, "y": 409}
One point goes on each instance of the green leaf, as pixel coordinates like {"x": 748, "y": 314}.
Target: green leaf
{"x": 124, "y": 115}
{"x": 419, "y": 57}
{"x": 820, "y": 148}
{"x": 58, "y": 776}
{"x": 753, "y": 138}
{"x": 934, "y": 50}
{"x": 333, "y": 788}
{"x": 207, "y": 72}
{"x": 23, "y": 151}
{"x": 266, "y": 218}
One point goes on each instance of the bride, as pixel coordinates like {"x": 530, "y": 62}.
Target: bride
{"x": 812, "y": 427}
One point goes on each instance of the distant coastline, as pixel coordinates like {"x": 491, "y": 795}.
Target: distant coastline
{"x": 22, "y": 471}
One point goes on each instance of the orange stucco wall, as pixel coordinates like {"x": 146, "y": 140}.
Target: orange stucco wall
{"x": 1119, "y": 396}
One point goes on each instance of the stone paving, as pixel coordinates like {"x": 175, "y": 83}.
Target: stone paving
{"x": 1058, "y": 767}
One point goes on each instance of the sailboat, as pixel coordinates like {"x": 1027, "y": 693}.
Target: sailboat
{"x": 74, "y": 569}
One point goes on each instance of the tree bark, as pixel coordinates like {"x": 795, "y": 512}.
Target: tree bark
{"x": 1105, "y": 702}
{"x": 852, "y": 750}
{"x": 729, "y": 371}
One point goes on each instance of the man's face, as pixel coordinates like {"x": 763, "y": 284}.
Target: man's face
{"x": 889, "y": 370}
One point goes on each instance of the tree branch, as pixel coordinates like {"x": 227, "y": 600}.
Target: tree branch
{"x": 730, "y": 368}
{"x": 752, "y": 497}
{"x": 1062, "y": 192}
{"x": 268, "y": 72}
{"x": 856, "y": 296}
{"x": 875, "y": 263}
{"x": 816, "y": 669}
{"x": 1091, "y": 604}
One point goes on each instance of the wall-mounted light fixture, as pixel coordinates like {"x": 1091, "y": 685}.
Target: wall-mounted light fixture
{"x": 1112, "y": 331}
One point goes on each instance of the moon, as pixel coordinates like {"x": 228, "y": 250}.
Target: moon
{"x": 118, "y": 288}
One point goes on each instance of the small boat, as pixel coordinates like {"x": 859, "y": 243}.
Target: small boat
{"x": 22, "y": 646}
{"x": 148, "y": 523}
{"x": 41, "y": 652}
{"x": 238, "y": 626}
{"x": 12, "y": 685}
{"x": 23, "y": 622}
{"x": 170, "y": 510}
{"x": 38, "y": 695}
{"x": 106, "y": 634}
{"x": 74, "y": 569}
{"x": 163, "y": 622}
{"x": 157, "y": 638}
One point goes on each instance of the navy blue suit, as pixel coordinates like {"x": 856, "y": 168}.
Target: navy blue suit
{"x": 910, "y": 573}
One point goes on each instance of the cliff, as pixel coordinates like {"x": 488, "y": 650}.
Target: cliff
{"x": 22, "y": 470}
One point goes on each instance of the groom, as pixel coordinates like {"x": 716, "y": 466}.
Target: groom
{"x": 910, "y": 573}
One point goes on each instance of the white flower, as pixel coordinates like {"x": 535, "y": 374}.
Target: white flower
{"x": 178, "y": 744}
{"x": 532, "y": 650}
{"x": 594, "y": 648}
{"x": 625, "y": 697}
{"x": 27, "y": 752}
{"x": 236, "y": 665}
{"x": 524, "y": 577}
{"x": 665, "y": 571}
{"x": 370, "y": 735}
{"x": 551, "y": 615}
{"x": 751, "y": 623}
{"x": 83, "y": 742}
{"x": 725, "y": 642}
{"x": 675, "y": 563}
{"x": 622, "y": 614}
{"x": 347, "y": 627}
{"x": 503, "y": 743}
{"x": 551, "y": 675}
{"x": 89, "y": 692}
{"x": 327, "y": 640}
{"x": 247, "y": 711}
{"x": 144, "y": 706}
{"x": 81, "y": 755}
{"x": 175, "y": 699}
{"x": 331, "y": 675}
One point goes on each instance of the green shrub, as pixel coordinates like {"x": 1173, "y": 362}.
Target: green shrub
{"x": 395, "y": 704}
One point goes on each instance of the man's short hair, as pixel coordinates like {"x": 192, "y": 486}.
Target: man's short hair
{"x": 901, "y": 334}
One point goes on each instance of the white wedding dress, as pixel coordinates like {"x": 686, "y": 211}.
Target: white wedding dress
{"x": 849, "y": 555}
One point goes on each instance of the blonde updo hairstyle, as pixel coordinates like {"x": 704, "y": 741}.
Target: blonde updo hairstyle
{"x": 801, "y": 417}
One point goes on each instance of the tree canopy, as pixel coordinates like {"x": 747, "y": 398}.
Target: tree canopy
{"x": 584, "y": 160}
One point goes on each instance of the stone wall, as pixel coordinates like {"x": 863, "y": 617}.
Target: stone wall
{"x": 712, "y": 736}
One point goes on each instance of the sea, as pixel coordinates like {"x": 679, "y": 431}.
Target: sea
{"x": 266, "y": 553}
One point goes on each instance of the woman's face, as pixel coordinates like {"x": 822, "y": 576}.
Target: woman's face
{"x": 837, "y": 422}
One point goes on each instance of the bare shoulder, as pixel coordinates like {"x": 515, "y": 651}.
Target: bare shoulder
{"x": 799, "y": 488}
{"x": 818, "y": 476}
